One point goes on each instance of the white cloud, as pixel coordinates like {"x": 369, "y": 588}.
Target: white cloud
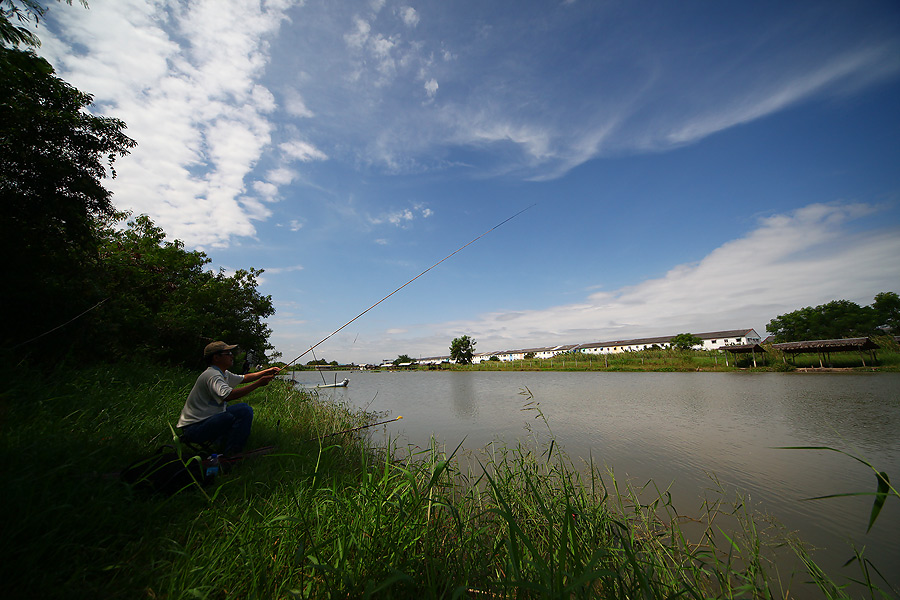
{"x": 360, "y": 33}
{"x": 266, "y": 190}
{"x": 410, "y": 16}
{"x": 622, "y": 95}
{"x": 276, "y": 270}
{"x": 187, "y": 89}
{"x": 302, "y": 151}
{"x": 431, "y": 87}
{"x": 295, "y": 105}
{"x": 281, "y": 176}
{"x": 296, "y": 225}
{"x": 402, "y": 217}
{"x": 399, "y": 217}
{"x": 803, "y": 258}
{"x": 785, "y": 89}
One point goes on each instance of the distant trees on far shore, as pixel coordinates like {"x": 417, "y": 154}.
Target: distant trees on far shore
{"x": 838, "y": 319}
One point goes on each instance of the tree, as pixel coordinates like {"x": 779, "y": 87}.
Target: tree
{"x": 833, "y": 320}
{"x": 23, "y": 11}
{"x": 66, "y": 252}
{"x": 685, "y": 341}
{"x": 462, "y": 349}
{"x": 53, "y": 158}
{"x": 403, "y": 358}
{"x": 887, "y": 311}
{"x": 165, "y": 303}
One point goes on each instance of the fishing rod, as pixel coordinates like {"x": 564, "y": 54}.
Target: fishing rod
{"x": 311, "y": 348}
{"x": 397, "y": 418}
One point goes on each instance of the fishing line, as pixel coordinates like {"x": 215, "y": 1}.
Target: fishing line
{"x": 63, "y": 325}
{"x": 317, "y": 368}
{"x": 407, "y": 283}
{"x": 397, "y": 418}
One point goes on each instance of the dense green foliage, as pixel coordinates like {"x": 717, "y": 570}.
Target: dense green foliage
{"x": 53, "y": 157}
{"x": 80, "y": 282}
{"x": 685, "y": 341}
{"x": 403, "y": 358}
{"x": 838, "y": 319}
{"x": 338, "y": 517}
{"x": 887, "y": 311}
{"x": 164, "y": 302}
{"x": 462, "y": 349}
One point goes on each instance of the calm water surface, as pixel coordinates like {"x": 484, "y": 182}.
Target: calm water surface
{"x": 676, "y": 428}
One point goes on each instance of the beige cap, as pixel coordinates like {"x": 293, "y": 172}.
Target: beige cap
{"x": 217, "y": 347}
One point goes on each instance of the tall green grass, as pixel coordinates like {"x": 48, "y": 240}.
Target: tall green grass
{"x": 339, "y": 517}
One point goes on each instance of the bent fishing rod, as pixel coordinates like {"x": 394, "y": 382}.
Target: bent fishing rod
{"x": 314, "y": 346}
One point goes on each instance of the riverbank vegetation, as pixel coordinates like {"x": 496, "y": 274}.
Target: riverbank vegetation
{"x": 888, "y": 359}
{"x": 89, "y": 282}
{"x": 340, "y": 517}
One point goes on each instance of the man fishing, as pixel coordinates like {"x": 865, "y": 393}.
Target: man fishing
{"x": 206, "y": 416}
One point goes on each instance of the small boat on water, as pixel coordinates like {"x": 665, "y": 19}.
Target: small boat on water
{"x": 336, "y": 384}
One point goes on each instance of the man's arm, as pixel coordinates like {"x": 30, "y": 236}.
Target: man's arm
{"x": 257, "y": 380}
{"x": 251, "y": 377}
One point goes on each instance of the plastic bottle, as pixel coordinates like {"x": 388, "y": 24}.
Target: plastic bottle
{"x": 212, "y": 466}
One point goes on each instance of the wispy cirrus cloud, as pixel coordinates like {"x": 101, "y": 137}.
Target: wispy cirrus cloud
{"x": 506, "y": 92}
{"x": 225, "y": 125}
{"x": 276, "y": 270}
{"x": 785, "y": 88}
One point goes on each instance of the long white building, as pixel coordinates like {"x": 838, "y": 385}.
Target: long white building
{"x": 713, "y": 340}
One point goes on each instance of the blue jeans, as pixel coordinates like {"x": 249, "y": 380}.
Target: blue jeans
{"x": 228, "y": 430}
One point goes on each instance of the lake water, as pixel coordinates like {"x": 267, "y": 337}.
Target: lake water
{"x": 676, "y": 428}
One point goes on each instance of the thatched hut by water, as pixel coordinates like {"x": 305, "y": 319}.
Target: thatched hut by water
{"x": 824, "y": 348}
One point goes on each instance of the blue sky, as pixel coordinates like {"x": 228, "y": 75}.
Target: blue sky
{"x": 693, "y": 166}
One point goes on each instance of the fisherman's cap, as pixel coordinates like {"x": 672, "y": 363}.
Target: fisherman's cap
{"x": 217, "y": 347}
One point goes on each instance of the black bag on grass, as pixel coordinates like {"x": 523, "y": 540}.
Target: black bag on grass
{"x": 165, "y": 472}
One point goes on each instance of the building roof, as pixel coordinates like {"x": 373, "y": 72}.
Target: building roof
{"x": 711, "y": 335}
{"x": 841, "y": 345}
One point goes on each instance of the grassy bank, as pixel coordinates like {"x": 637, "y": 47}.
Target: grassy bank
{"x": 888, "y": 360}
{"x": 337, "y": 518}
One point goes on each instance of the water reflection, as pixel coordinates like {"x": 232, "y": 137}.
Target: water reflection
{"x": 463, "y": 397}
{"x": 678, "y": 427}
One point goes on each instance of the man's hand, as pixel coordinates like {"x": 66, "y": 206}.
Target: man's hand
{"x": 268, "y": 375}
{"x": 259, "y": 375}
{"x": 265, "y": 379}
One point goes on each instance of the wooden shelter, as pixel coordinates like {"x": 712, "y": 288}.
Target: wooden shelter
{"x": 824, "y": 348}
{"x": 750, "y": 349}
